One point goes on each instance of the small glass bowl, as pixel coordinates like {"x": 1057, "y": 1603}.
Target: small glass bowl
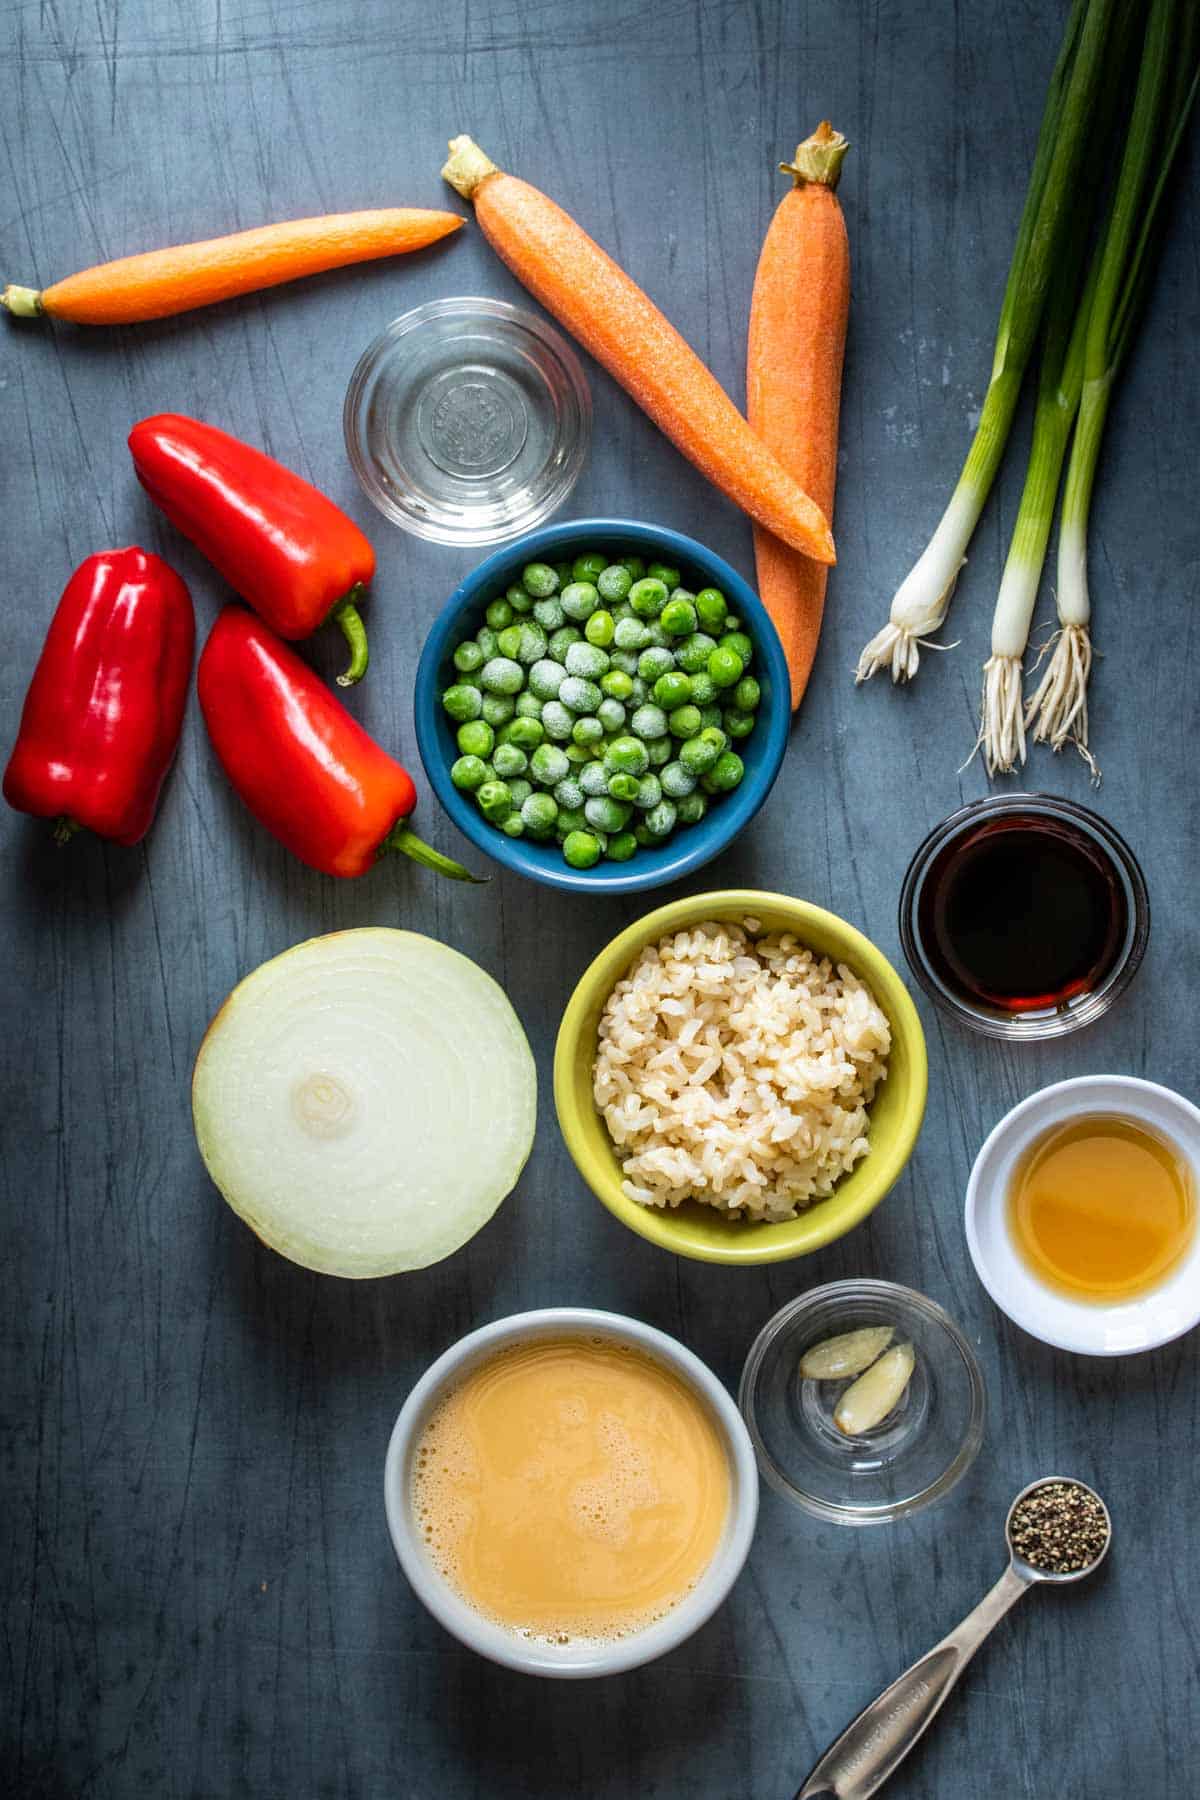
{"x": 925, "y": 1445}
{"x": 468, "y": 421}
{"x": 1081, "y": 1009}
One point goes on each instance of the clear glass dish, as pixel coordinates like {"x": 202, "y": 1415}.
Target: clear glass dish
{"x": 914, "y": 1456}
{"x": 468, "y": 421}
{"x": 1080, "y": 1009}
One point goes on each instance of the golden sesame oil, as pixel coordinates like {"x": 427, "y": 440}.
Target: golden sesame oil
{"x": 1101, "y": 1207}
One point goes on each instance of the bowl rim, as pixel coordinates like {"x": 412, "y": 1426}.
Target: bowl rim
{"x": 493, "y": 1641}
{"x": 1085, "y": 1313}
{"x": 872, "y": 1287}
{"x": 690, "y": 849}
{"x": 869, "y": 961}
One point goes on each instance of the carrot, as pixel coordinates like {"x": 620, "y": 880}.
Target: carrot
{"x": 162, "y": 282}
{"x": 624, "y": 330}
{"x": 794, "y": 377}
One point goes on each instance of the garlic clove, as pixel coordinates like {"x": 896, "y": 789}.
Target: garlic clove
{"x": 838, "y": 1358}
{"x": 869, "y": 1400}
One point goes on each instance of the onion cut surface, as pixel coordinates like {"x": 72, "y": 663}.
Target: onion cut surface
{"x": 365, "y": 1101}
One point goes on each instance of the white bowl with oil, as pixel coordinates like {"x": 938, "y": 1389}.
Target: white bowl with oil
{"x": 1119, "y": 1327}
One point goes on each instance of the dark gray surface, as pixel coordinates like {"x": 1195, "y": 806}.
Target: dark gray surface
{"x": 200, "y": 1597}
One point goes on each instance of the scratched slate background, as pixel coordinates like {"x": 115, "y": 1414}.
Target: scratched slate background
{"x": 199, "y": 1595}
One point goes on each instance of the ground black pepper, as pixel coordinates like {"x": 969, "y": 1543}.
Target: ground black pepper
{"x": 1059, "y": 1527}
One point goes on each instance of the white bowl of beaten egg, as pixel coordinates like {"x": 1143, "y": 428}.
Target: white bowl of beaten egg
{"x": 570, "y": 1492}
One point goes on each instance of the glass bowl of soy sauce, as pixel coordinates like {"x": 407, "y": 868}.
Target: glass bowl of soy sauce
{"x": 1024, "y": 916}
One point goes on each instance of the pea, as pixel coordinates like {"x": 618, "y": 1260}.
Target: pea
{"x": 508, "y": 641}
{"x": 579, "y": 600}
{"x": 568, "y": 793}
{"x": 539, "y": 580}
{"x": 499, "y": 614}
{"x": 606, "y": 814}
{"x": 520, "y": 790}
{"x": 697, "y": 755}
{"x": 549, "y": 765}
{"x": 518, "y": 599}
{"x": 739, "y": 643}
{"x": 684, "y": 722}
{"x": 624, "y": 787}
{"x": 565, "y": 573}
{"x": 556, "y": 720}
{"x": 531, "y": 641}
{"x": 468, "y": 773}
{"x": 617, "y": 684}
{"x": 498, "y": 709}
{"x": 513, "y": 826}
{"x": 614, "y": 582}
{"x": 476, "y": 738}
{"x": 549, "y": 614}
{"x": 629, "y": 634}
{"x": 704, "y": 688}
{"x": 587, "y": 731}
{"x": 711, "y": 608}
{"x": 738, "y": 724}
{"x": 677, "y": 783}
{"x": 579, "y": 754}
{"x": 593, "y": 779}
{"x": 561, "y": 642}
{"x": 691, "y": 809}
{"x": 647, "y": 598}
{"x": 599, "y": 630}
{"x": 494, "y": 801}
{"x": 570, "y": 818}
{"x": 725, "y": 773}
{"x": 732, "y": 622}
{"x": 635, "y": 566}
{"x": 663, "y": 572}
{"x": 539, "y": 813}
{"x": 611, "y": 715}
{"x": 463, "y": 701}
{"x": 529, "y": 706}
{"x": 587, "y": 568}
{"x": 587, "y": 660}
{"x": 649, "y": 791}
{"x": 621, "y": 847}
{"x": 654, "y": 636}
{"x": 747, "y": 694}
{"x": 694, "y": 652}
{"x": 626, "y": 756}
{"x": 579, "y": 694}
{"x": 672, "y": 690}
{"x": 485, "y": 637}
{"x": 710, "y": 717}
{"x": 501, "y": 675}
{"x": 509, "y": 759}
{"x": 660, "y": 752}
{"x": 654, "y": 662}
{"x": 640, "y": 834}
{"x": 468, "y": 657}
{"x": 678, "y": 618}
{"x": 581, "y": 849}
{"x": 640, "y": 694}
{"x": 649, "y": 722}
{"x": 724, "y": 665}
{"x": 660, "y": 820}
{"x": 545, "y": 679}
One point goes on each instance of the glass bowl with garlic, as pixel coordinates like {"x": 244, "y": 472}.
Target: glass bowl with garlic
{"x": 864, "y": 1400}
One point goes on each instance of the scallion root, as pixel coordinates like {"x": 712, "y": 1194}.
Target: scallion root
{"x": 1058, "y": 710}
{"x": 1002, "y": 716}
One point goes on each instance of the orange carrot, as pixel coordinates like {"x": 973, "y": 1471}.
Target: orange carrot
{"x": 624, "y": 330}
{"x": 162, "y": 282}
{"x": 794, "y": 377}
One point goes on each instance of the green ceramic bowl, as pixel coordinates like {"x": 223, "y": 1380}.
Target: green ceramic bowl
{"x": 699, "y": 1231}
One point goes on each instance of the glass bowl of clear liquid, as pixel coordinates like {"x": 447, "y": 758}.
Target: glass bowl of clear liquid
{"x": 468, "y": 420}
{"x": 909, "y": 1458}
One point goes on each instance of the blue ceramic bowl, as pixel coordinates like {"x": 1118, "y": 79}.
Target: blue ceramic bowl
{"x": 690, "y": 846}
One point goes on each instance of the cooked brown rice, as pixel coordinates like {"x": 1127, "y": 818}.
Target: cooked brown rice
{"x": 737, "y": 1070}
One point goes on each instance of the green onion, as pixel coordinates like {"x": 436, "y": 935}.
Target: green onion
{"x": 923, "y": 598}
{"x": 1166, "y": 92}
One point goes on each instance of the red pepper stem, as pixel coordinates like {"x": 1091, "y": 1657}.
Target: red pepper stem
{"x": 347, "y": 615}
{"x": 402, "y": 839}
{"x": 64, "y": 829}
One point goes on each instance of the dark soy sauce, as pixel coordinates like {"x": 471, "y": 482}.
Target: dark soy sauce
{"x": 1022, "y": 912}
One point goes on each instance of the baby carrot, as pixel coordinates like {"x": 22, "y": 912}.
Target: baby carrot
{"x": 624, "y": 330}
{"x": 794, "y": 377}
{"x": 161, "y": 282}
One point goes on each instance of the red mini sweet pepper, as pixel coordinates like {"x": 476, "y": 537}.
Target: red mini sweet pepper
{"x": 105, "y": 707}
{"x": 280, "y": 543}
{"x": 306, "y": 769}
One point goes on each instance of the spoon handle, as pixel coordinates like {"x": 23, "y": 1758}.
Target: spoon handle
{"x": 873, "y": 1746}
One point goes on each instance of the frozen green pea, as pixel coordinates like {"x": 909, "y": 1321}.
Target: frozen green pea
{"x": 724, "y": 665}
{"x": 678, "y": 618}
{"x": 660, "y": 752}
{"x": 640, "y": 693}
{"x": 614, "y": 582}
{"x": 634, "y": 564}
{"x": 520, "y": 790}
{"x": 694, "y": 652}
{"x": 501, "y": 675}
{"x": 684, "y": 722}
{"x": 475, "y": 738}
{"x": 599, "y": 629}
{"x": 655, "y": 637}
{"x": 587, "y": 660}
{"x": 732, "y": 622}
{"x": 739, "y": 643}
{"x": 463, "y": 701}
{"x": 616, "y": 685}
{"x": 640, "y": 834}
{"x": 649, "y": 791}
{"x": 498, "y": 709}
{"x": 549, "y": 765}
{"x": 485, "y": 637}
{"x": 593, "y": 779}
{"x": 587, "y": 731}
{"x": 649, "y": 722}
{"x": 528, "y": 705}
{"x": 569, "y": 793}
{"x": 494, "y": 801}
{"x": 531, "y": 641}
{"x": 539, "y": 813}
{"x": 737, "y": 724}
{"x": 549, "y": 614}
{"x": 697, "y": 755}
{"x": 513, "y": 826}
{"x": 570, "y": 818}
{"x": 654, "y": 662}
{"x": 629, "y": 634}
{"x": 606, "y": 814}
{"x": 468, "y": 657}
{"x": 627, "y": 755}
{"x": 647, "y": 598}
{"x": 691, "y": 809}
{"x": 711, "y": 608}
{"x": 508, "y": 641}
{"x": 581, "y": 849}
{"x": 509, "y": 759}
{"x": 704, "y": 688}
{"x": 725, "y": 773}
{"x": 545, "y": 678}
{"x": 747, "y": 694}
{"x": 468, "y": 773}
{"x": 579, "y": 600}
{"x": 672, "y": 689}
{"x": 499, "y": 614}
{"x": 557, "y": 721}
{"x": 561, "y": 641}
{"x": 539, "y": 580}
{"x": 676, "y": 781}
{"x": 623, "y": 787}
{"x": 660, "y": 820}
{"x": 518, "y": 599}
{"x": 580, "y": 695}
{"x": 611, "y": 714}
{"x": 578, "y": 754}
{"x": 589, "y": 566}
{"x": 710, "y": 717}
{"x": 621, "y": 847}
{"x": 658, "y": 571}
{"x": 564, "y": 572}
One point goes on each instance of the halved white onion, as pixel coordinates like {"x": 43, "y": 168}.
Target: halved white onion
{"x": 365, "y": 1101}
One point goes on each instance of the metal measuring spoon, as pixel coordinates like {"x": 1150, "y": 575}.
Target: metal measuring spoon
{"x": 872, "y": 1748}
